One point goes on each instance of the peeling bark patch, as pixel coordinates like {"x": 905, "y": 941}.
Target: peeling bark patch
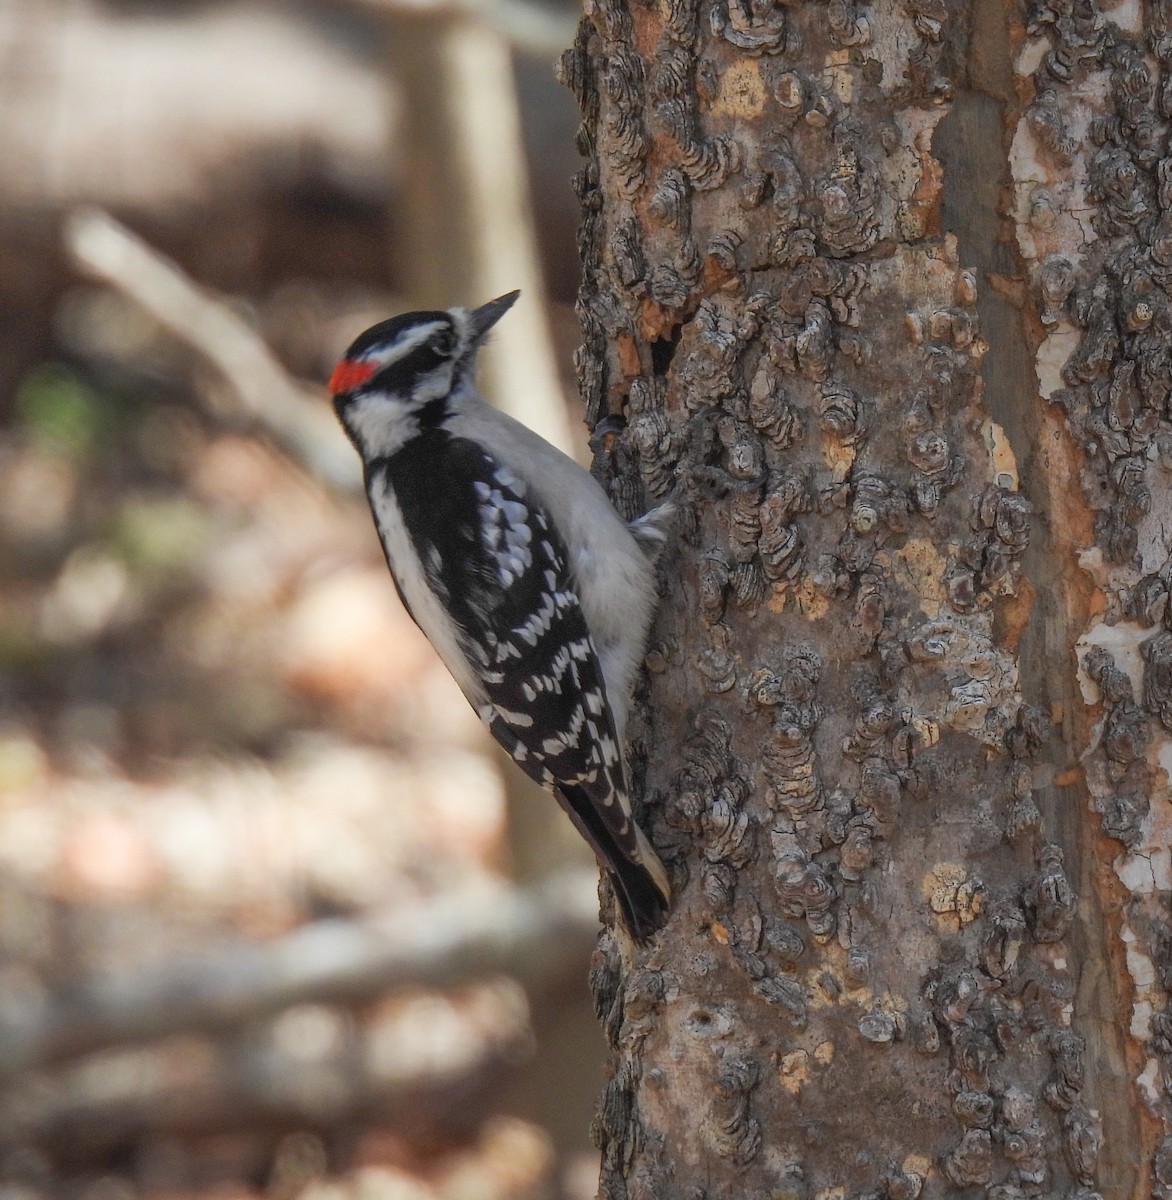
{"x": 922, "y": 569}
{"x": 794, "y": 1071}
{"x": 1122, "y": 640}
{"x": 742, "y": 92}
{"x": 1001, "y": 452}
{"x": 1051, "y": 359}
{"x": 954, "y": 898}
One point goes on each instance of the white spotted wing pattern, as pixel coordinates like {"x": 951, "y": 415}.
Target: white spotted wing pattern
{"x": 537, "y": 656}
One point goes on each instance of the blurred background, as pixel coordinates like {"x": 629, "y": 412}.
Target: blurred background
{"x": 275, "y": 919}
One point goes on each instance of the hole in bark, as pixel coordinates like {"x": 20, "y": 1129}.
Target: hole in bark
{"x": 663, "y": 350}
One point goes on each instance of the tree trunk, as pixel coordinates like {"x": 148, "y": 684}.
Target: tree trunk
{"x": 877, "y": 292}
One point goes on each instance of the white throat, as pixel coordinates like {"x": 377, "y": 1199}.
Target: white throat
{"x": 380, "y": 424}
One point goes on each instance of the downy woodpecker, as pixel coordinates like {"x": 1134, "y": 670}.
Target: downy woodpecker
{"x": 512, "y": 561}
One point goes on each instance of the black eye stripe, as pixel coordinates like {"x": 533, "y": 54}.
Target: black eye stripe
{"x": 425, "y": 357}
{"x": 400, "y": 375}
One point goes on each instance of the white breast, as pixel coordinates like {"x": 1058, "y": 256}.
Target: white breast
{"x": 430, "y": 614}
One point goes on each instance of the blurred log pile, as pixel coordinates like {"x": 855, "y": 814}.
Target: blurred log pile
{"x": 254, "y": 938}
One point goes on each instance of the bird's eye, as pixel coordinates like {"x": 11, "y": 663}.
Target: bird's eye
{"x": 444, "y": 342}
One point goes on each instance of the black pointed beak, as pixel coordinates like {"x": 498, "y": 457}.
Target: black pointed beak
{"x": 487, "y": 315}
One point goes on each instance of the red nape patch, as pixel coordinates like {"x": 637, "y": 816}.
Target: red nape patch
{"x": 349, "y": 374}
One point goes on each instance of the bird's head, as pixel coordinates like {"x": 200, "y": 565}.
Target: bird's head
{"x": 403, "y": 371}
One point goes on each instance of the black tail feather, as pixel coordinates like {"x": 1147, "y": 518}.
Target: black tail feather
{"x": 642, "y": 903}
{"x": 643, "y": 906}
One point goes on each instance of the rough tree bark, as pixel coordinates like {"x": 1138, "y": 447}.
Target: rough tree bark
{"x": 879, "y": 291}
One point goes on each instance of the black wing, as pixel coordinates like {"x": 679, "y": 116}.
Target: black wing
{"x": 493, "y": 556}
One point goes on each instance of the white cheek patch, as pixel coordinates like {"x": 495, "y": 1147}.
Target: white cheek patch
{"x": 380, "y": 423}
{"x": 434, "y": 385}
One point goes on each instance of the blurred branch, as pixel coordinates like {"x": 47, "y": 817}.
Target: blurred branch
{"x": 527, "y": 933}
{"x": 292, "y": 413}
{"x": 243, "y": 1086}
{"x": 536, "y": 29}
{"x": 466, "y": 204}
